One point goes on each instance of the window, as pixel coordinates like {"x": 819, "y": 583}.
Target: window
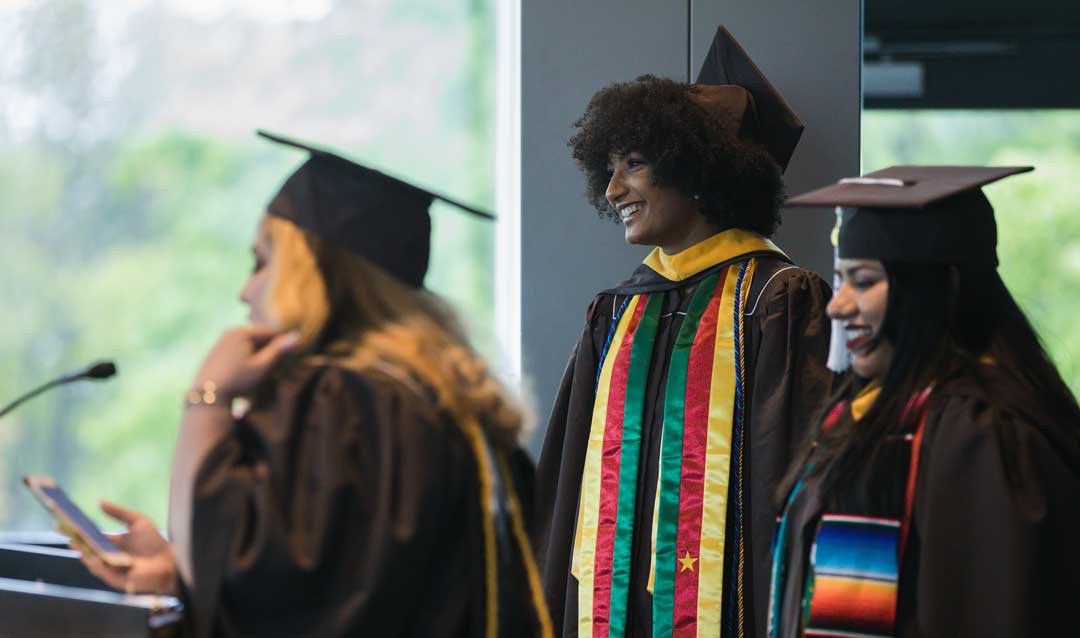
{"x": 1038, "y": 224}
{"x": 132, "y": 182}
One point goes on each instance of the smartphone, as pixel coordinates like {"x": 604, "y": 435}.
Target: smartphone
{"x": 74, "y": 521}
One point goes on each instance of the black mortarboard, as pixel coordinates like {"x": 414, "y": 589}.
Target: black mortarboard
{"x": 928, "y": 214}
{"x": 371, "y": 214}
{"x": 731, "y": 83}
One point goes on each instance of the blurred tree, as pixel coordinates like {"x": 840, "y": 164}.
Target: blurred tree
{"x": 132, "y": 184}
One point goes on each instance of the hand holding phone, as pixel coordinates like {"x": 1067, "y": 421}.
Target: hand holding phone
{"x": 74, "y": 522}
{"x": 148, "y": 565}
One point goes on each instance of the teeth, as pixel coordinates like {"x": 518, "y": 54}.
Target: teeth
{"x": 629, "y": 210}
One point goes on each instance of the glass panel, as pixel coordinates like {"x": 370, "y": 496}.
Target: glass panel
{"x": 132, "y": 182}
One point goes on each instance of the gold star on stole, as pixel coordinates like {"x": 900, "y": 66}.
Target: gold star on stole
{"x": 687, "y": 562}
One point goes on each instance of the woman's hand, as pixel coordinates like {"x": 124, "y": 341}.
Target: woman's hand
{"x": 153, "y": 568}
{"x": 242, "y": 357}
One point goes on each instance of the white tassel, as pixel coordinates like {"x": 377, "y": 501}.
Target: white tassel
{"x": 839, "y": 356}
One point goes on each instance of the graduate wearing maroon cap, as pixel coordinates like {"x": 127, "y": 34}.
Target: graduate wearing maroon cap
{"x": 693, "y": 379}
{"x": 940, "y": 496}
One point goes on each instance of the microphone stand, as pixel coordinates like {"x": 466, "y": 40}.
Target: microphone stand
{"x": 102, "y": 370}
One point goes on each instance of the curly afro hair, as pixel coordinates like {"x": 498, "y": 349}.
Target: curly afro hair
{"x": 688, "y": 148}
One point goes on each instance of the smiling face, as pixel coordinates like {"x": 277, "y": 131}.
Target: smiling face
{"x": 652, "y": 214}
{"x": 256, "y": 292}
{"x": 860, "y": 303}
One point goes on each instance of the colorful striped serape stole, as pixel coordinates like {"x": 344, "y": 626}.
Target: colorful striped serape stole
{"x": 696, "y": 455}
{"x": 854, "y": 578}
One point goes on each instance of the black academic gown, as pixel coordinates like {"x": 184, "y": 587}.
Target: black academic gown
{"x": 995, "y": 519}
{"x": 347, "y": 505}
{"x": 786, "y": 383}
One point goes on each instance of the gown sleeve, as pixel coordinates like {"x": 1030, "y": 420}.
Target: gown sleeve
{"x": 791, "y": 382}
{"x": 996, "y": 519}
{"x": 319, "y": 511}
{"x": 789, "y": 386}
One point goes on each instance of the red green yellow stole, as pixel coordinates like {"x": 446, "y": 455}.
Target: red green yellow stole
{"x": 701, "y": 451}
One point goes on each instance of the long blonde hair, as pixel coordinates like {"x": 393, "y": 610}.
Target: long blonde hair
{"x": 351, "y": 312}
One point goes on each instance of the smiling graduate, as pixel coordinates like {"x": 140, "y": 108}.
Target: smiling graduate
{"x": 693, "y": 379}
{"x": 940, "y": 496}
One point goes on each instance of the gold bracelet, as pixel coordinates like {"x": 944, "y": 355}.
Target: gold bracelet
{"x": 206, "y": 395}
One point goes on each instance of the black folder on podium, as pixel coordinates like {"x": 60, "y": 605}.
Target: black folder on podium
{"x": 46, "y": 591}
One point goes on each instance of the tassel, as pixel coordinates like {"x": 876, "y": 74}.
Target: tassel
{"x": 839, "y": 357}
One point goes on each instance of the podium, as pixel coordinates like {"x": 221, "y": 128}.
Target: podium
{"x": 46, "y": 592}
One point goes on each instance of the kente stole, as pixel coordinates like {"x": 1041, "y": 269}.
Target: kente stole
{"x": 701, "y": 451}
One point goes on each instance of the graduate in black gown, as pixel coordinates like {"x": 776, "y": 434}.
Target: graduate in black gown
{"x": 940, "y": 496}
{"x": 375, "y": 485}
{"x": 689, "y": 388}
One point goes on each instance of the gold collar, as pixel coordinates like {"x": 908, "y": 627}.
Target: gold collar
{"x": 721, "y": 247}
{"x": 861, "y": 404}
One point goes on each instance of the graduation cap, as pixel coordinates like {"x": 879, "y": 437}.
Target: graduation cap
{"x": 369, "y": 213}
{"x": 928, "y": 214}
{"x": 730, "y": 84}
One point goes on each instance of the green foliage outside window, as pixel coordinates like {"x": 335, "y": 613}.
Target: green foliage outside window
{"x": 131, "y": 183}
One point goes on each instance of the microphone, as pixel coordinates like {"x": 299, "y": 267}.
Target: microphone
{"x": 100, "y": 370}
{"x": 97, "y": 371}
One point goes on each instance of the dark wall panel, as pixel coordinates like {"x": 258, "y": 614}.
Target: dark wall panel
{"x": 811, "y": 52}
{"x": 569, "y": 50}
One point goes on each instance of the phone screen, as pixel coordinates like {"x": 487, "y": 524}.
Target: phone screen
{"x": 85, "y": 525}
